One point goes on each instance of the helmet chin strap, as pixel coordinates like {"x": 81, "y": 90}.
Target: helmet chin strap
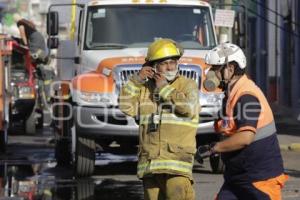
{"x": 224, "y": 83}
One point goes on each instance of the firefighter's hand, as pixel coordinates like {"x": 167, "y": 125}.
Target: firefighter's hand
{"x": 160, "y": 80}
{"x": 204, "y": 151}
{"x": 146, "y": 72}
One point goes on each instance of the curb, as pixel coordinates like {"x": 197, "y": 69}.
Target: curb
{"x": 291, "y": 147}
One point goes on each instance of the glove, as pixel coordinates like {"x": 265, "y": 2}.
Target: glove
{"x": 204, "y": 151}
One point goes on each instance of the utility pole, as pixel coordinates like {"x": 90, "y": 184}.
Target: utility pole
{"x": 225, "y": 32}
{"x": 261, "y": 46}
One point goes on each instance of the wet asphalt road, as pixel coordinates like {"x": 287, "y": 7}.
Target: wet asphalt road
{"x": 29, "y": 170}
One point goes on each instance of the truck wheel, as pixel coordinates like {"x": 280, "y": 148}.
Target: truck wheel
{"x": 85, "y": 189}
{"x": 11, "y": 129}
{"x": 3, "y": 142}
{"x": 216, "y": 164}
{"x": 84, "y": 157}
{"x": 40, "y": 119}
{"x": 30, "y": 125}
{"x": 63, "y": 154}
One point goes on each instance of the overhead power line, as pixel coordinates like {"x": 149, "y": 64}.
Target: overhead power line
{"x": 269, "y": 21}
{"x": 274, "y": 11}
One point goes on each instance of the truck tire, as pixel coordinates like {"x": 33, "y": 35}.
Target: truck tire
{"x": 40, "y": 119}
{"x": 30, "y": 126}
{"x": 84, "y": 157}
{"x": 216, "y": 164}
{"x": 11, "y": 128}
{"x": 63, "y": 153}
{"x": 3, "y": 142}
{"x": 85, "y": 189}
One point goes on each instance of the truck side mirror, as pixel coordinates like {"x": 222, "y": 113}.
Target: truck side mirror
{"x": 52, "y": 23}
{"x": 53, "y": 42}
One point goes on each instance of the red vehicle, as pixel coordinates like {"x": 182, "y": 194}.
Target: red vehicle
{"x": 25, "y": 106}
{"x": 5, "y": 54}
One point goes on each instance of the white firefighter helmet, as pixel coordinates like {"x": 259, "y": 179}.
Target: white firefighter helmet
{"x": 225, "y": 53}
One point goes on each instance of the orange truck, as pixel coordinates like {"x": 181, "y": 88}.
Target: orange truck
{"x": 111, "y": 44}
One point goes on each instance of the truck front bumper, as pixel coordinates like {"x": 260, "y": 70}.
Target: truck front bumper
{"x": 111, "y": 122}
{"x": 97, "y": 122}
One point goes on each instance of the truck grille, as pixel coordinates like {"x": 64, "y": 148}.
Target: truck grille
{"x": 123, "y": 72}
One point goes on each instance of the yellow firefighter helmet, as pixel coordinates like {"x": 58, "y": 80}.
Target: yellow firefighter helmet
{"x": 163, "y": 49}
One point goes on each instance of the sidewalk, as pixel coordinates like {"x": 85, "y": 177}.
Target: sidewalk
{"x": 288, "y": 129}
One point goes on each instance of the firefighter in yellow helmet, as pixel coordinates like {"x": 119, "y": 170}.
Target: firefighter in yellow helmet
{"x": 166, "y": 105}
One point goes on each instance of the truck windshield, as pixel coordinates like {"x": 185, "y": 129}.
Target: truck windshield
{"x": 137, "y": 26}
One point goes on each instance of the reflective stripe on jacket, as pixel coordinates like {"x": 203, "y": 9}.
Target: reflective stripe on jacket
{"x": 171, "y": 148}
{"x": 261, "y": 159}
{"x": 170, "y": 118}
{"x": 265, "y": 126}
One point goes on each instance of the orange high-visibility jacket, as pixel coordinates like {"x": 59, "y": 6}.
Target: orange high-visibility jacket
{"x": 261, "y": 159}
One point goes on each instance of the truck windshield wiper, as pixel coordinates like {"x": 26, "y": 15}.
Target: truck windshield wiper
{"x": 109, "y": 45}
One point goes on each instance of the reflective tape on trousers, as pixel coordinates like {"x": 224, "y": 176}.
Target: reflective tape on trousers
{"x": 153, "y": 165}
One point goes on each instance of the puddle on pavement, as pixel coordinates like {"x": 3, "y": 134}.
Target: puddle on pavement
{"x": 21, "y": 179}
{"x": 29, "y": 172}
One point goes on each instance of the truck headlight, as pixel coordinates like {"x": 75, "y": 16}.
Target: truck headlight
{"x": 26, "y": 92}
{"x": 93, "y": 98}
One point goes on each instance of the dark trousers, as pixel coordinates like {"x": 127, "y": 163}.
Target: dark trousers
{"x": 241, "y": 192}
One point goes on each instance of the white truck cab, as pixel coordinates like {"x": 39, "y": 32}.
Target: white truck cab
{"x": 112, "y": 42}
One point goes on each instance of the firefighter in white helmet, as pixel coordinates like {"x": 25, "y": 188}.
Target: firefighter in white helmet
{"x": 250, "y": 152}
{"x": 166, "y": 105}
